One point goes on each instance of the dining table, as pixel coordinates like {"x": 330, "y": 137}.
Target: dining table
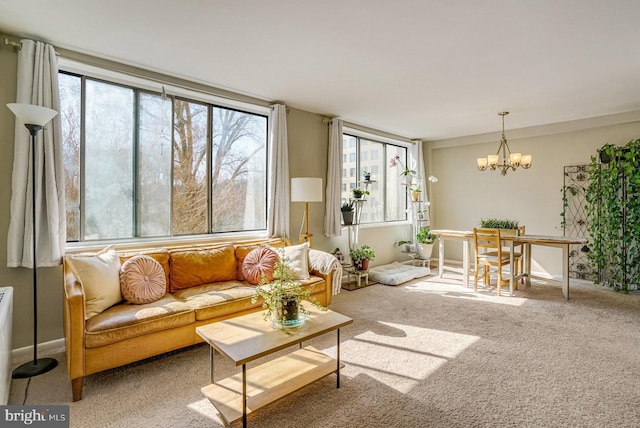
{"x": 510, "y": 241}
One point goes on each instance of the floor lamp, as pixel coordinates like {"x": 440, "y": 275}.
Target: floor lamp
{"x": 34, "y": 118}
{"x": 306, "y": 189}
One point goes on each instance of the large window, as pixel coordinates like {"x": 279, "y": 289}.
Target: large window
{"x": 387, "y": 200}
{"x": 140, "y": 165}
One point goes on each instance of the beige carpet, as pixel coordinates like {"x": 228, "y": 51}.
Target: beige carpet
{"x": 425, "y": 354}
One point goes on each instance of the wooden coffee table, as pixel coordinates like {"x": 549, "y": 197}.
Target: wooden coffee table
{"x": 246, "y": 338}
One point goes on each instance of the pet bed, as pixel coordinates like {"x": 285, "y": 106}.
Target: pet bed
{"x": 397, "y": 273}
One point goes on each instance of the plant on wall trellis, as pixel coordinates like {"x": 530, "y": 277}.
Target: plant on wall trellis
{"x": 574, "y": 219}
{"x": 613, "y": 215}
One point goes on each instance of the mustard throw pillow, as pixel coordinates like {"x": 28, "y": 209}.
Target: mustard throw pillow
{"x": 99, "y": 275}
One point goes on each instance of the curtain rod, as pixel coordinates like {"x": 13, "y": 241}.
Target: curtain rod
{"x": 17, "y": 45}
{"x": 373, "y": 131}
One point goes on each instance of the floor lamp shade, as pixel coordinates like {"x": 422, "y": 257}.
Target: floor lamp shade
{"x": 31, "y": 114}
{"x": 306, "y": 189}
{"x": 34, "y": 118}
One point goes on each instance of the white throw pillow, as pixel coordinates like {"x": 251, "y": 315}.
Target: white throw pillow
{"x": 298, "y": 256}
{"x": 99, "y": 275}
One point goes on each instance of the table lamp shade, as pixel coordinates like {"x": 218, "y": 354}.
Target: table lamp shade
{"x": 31, "y": 114}
{"x": 306, "y": 189}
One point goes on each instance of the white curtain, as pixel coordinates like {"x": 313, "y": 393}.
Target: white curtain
{"x": 278, "y": 211}
{"x": 417, "y": 164}
{"x": 37, "y": 83}
{"x": 334, "y": 180}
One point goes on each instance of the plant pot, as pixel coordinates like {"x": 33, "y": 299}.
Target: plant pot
{"x": 357, "y": 195}
{"x": 415, "y": 196}
{"x": 367, "y": 178}
{"x": 424, "y": 250}
{"x": 364, "y": 265}
{"x": 347, "y": 217}
{"x": 290, "y": 308}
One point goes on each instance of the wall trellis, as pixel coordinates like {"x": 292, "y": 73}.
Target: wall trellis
{"x": 575, "y": 223}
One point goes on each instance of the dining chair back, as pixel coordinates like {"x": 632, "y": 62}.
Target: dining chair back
{"x": 489, "y": 254}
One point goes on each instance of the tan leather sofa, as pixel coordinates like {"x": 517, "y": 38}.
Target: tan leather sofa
{"x": 125, "y": 333}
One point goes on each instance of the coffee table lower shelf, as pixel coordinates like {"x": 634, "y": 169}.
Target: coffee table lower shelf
{"x": 269, "y": 382}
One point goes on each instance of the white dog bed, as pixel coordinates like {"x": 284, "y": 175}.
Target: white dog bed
{"x": 397, "y": 273}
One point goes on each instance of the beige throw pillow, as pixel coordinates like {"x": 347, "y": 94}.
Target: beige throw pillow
{"x": 99, "y": 275}
{"x": 298, "y": 256}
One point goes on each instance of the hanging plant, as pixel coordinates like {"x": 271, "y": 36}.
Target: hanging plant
{"x": 613, "y": 213}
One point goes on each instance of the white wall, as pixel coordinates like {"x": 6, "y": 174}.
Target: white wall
{"x": 464, "y": 195}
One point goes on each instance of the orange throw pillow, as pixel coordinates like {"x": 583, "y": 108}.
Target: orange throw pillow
{"x": 258, "y": 263}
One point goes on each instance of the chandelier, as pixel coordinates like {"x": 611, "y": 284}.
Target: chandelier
{"x": 508, "y": 160}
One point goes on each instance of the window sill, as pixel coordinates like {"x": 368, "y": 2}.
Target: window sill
{"x": 135, "y": 244}
{"x": 381, "y": 225}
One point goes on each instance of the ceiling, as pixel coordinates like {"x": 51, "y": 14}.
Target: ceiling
{"x": 428, "y": 69}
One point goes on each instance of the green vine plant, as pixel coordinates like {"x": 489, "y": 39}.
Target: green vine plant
{"x": 613, "y": 213}
{"x": 565, "y": 204}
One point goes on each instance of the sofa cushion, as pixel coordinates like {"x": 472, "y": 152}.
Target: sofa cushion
{"x": 160, "y": 255}
{"x": 259, "y": 263}
{"x": 142, "y": 280}
{"x": 202, "y": 266}
{"x": 99, "y": 275}
{"x": 126, "y": 320}
{"x": 211, "y": 300}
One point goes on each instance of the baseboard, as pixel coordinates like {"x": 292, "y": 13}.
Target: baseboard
{"x": 21, "y": 355}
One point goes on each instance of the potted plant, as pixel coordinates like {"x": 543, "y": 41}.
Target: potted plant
{"x": 347, "y": 212}
{"x": 359, "y": 192}
{"x": 415, "y": 193}
{"x": 361, "y": 256}
{"x": 408, "y": 246}
{"x": 282, "y": 297}
{"x": 425, "y": 243}
{"x": 496, "y": 223}
{"x": 407, "y": 172}
{"x": 366, "y": 175}
{"x": 337, "y": 253}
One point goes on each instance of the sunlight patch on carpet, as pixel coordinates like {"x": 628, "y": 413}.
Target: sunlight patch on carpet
{"x": 205, "y": 408}
{"x": 457, "y": 291}
{"x": 402, "y": 356}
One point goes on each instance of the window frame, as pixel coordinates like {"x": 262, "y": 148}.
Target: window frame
{"x": 382, "y": 176}
{"x": 141, "y": 85}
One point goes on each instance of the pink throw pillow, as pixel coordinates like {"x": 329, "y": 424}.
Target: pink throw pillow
{"x": 142, "y": 280}
{"x": 258, "y": 263}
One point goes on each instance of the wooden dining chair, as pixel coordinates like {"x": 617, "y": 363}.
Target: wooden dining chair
{"x": 519, "y": 251}
{"x": 489, "y": 254}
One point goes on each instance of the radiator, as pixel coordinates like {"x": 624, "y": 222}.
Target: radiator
{"x": 6, "y": 319}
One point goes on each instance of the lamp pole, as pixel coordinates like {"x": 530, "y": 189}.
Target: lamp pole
{"x": 42, "y": 365}
{"x": 29, "y": 114}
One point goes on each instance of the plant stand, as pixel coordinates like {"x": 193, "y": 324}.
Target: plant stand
{"x": 358, "y": 276}
{"x": 349, "y": 270}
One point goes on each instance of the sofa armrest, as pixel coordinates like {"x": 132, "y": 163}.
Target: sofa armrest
{"x": 74, "y": 324}
{"x": 328, "y": 277}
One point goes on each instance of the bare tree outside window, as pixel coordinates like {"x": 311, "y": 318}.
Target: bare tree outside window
{"x": 238, "y": 173}
{"x": 154, "y": 166}
{"x": 70, "y": 119}
{"x": 189, "y": 168}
